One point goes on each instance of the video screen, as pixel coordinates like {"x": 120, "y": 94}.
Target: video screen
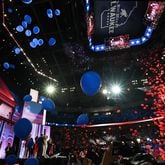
{"x": 33, "y": 111}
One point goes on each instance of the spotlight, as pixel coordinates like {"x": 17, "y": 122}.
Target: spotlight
{"x": 116, "y": 89}
{"x": 50, "y": 89}
{"x": 104, "y": 91}
{"x": 138, "y": 140}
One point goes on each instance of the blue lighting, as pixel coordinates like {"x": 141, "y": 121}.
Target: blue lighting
{"x": 135, "y": 42}
{"x": 90, "y": 39}
{"x": 102, "y": 47}
{"x": 150, "y": 29}
{"x": 132, "y": 42}
{"x": 148, "y": 32}
{"x": 99, "y": 47}
{"x": 87, "y": 7}
{"x": 144, "y": 39}
{"x": 92, "y": 47}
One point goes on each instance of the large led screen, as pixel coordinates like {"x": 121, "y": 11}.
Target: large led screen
{"x": 115, "y": 24}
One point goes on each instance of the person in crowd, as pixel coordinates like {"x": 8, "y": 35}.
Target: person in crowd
{"x": 35, "y": 148}
{"x": 30, "y": 146}
{"x": 40, "y": 144}
{"x": 45, "y": 146}
{"x": 9, "y": 149}
{"x": 50, "y": 147}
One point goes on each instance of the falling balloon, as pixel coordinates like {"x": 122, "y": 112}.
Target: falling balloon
{"x": 57, "y": 12}
{"x": 49, "y": 13}
{"x": 28, "y": 33}
{"x": 28, "y": 19}
{"x": 90, "y": 83}
{"x": 27, "y": 1}
{"x": 36, "y": 29}
{"x": 52, "y": 41}
{"x": 19, "y": 28}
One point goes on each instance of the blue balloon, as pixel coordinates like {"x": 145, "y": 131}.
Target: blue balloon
{"x": 22, "y": 128}
{"x": 11, "y": 159}
{"x": 28, "y": 33}
{"x": 40, "y": 42}
{"x": 42, "y": 98}
{"x": 48, "y": 104}
{"x": 6, "y": 65}
{"x": 24, "y": 24}
{"x": 19, "y": 28}
{"x": 35, "y": 40}
{"x": 36, "y": 29}
{"x": 57, "y": 12}
{"x": 83, "y": 119}
{"x": 17, "y": 50}
{"x": 10, "y": 10}
{"x": 27, "y": 98}
{"x": 27, "y": 1}
{"x": 49, "y": 13}
{"x": 33, "y": 44}
{"x": 28, "y": 19}
{"x": 31, "y": 161}
{"x": 52, "y": 41}
{"x": 90, "y": 83}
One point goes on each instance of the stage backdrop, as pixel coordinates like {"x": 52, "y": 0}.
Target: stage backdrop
{"x": 33, "y": 111}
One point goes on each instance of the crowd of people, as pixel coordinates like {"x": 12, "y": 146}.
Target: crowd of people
{"x": 37, "y": 148}
{"x": 90, "y": 146}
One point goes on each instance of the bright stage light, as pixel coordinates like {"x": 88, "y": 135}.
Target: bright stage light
{"x": 138, "y": 140}
{"x": 104, "y": 91}
{"x": 116, "y": 89}
{"x": 50, "y": 89}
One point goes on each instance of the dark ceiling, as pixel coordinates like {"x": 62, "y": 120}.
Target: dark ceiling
{"x": 70, "y": 57}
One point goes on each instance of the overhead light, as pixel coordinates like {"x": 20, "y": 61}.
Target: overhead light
{"x": 97, "y": 48}
{"x": 132, "y": 42}
{"x": 116, "y": 89}
{"x": 104, "y": 91}
{"x": 50, "y": 89}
